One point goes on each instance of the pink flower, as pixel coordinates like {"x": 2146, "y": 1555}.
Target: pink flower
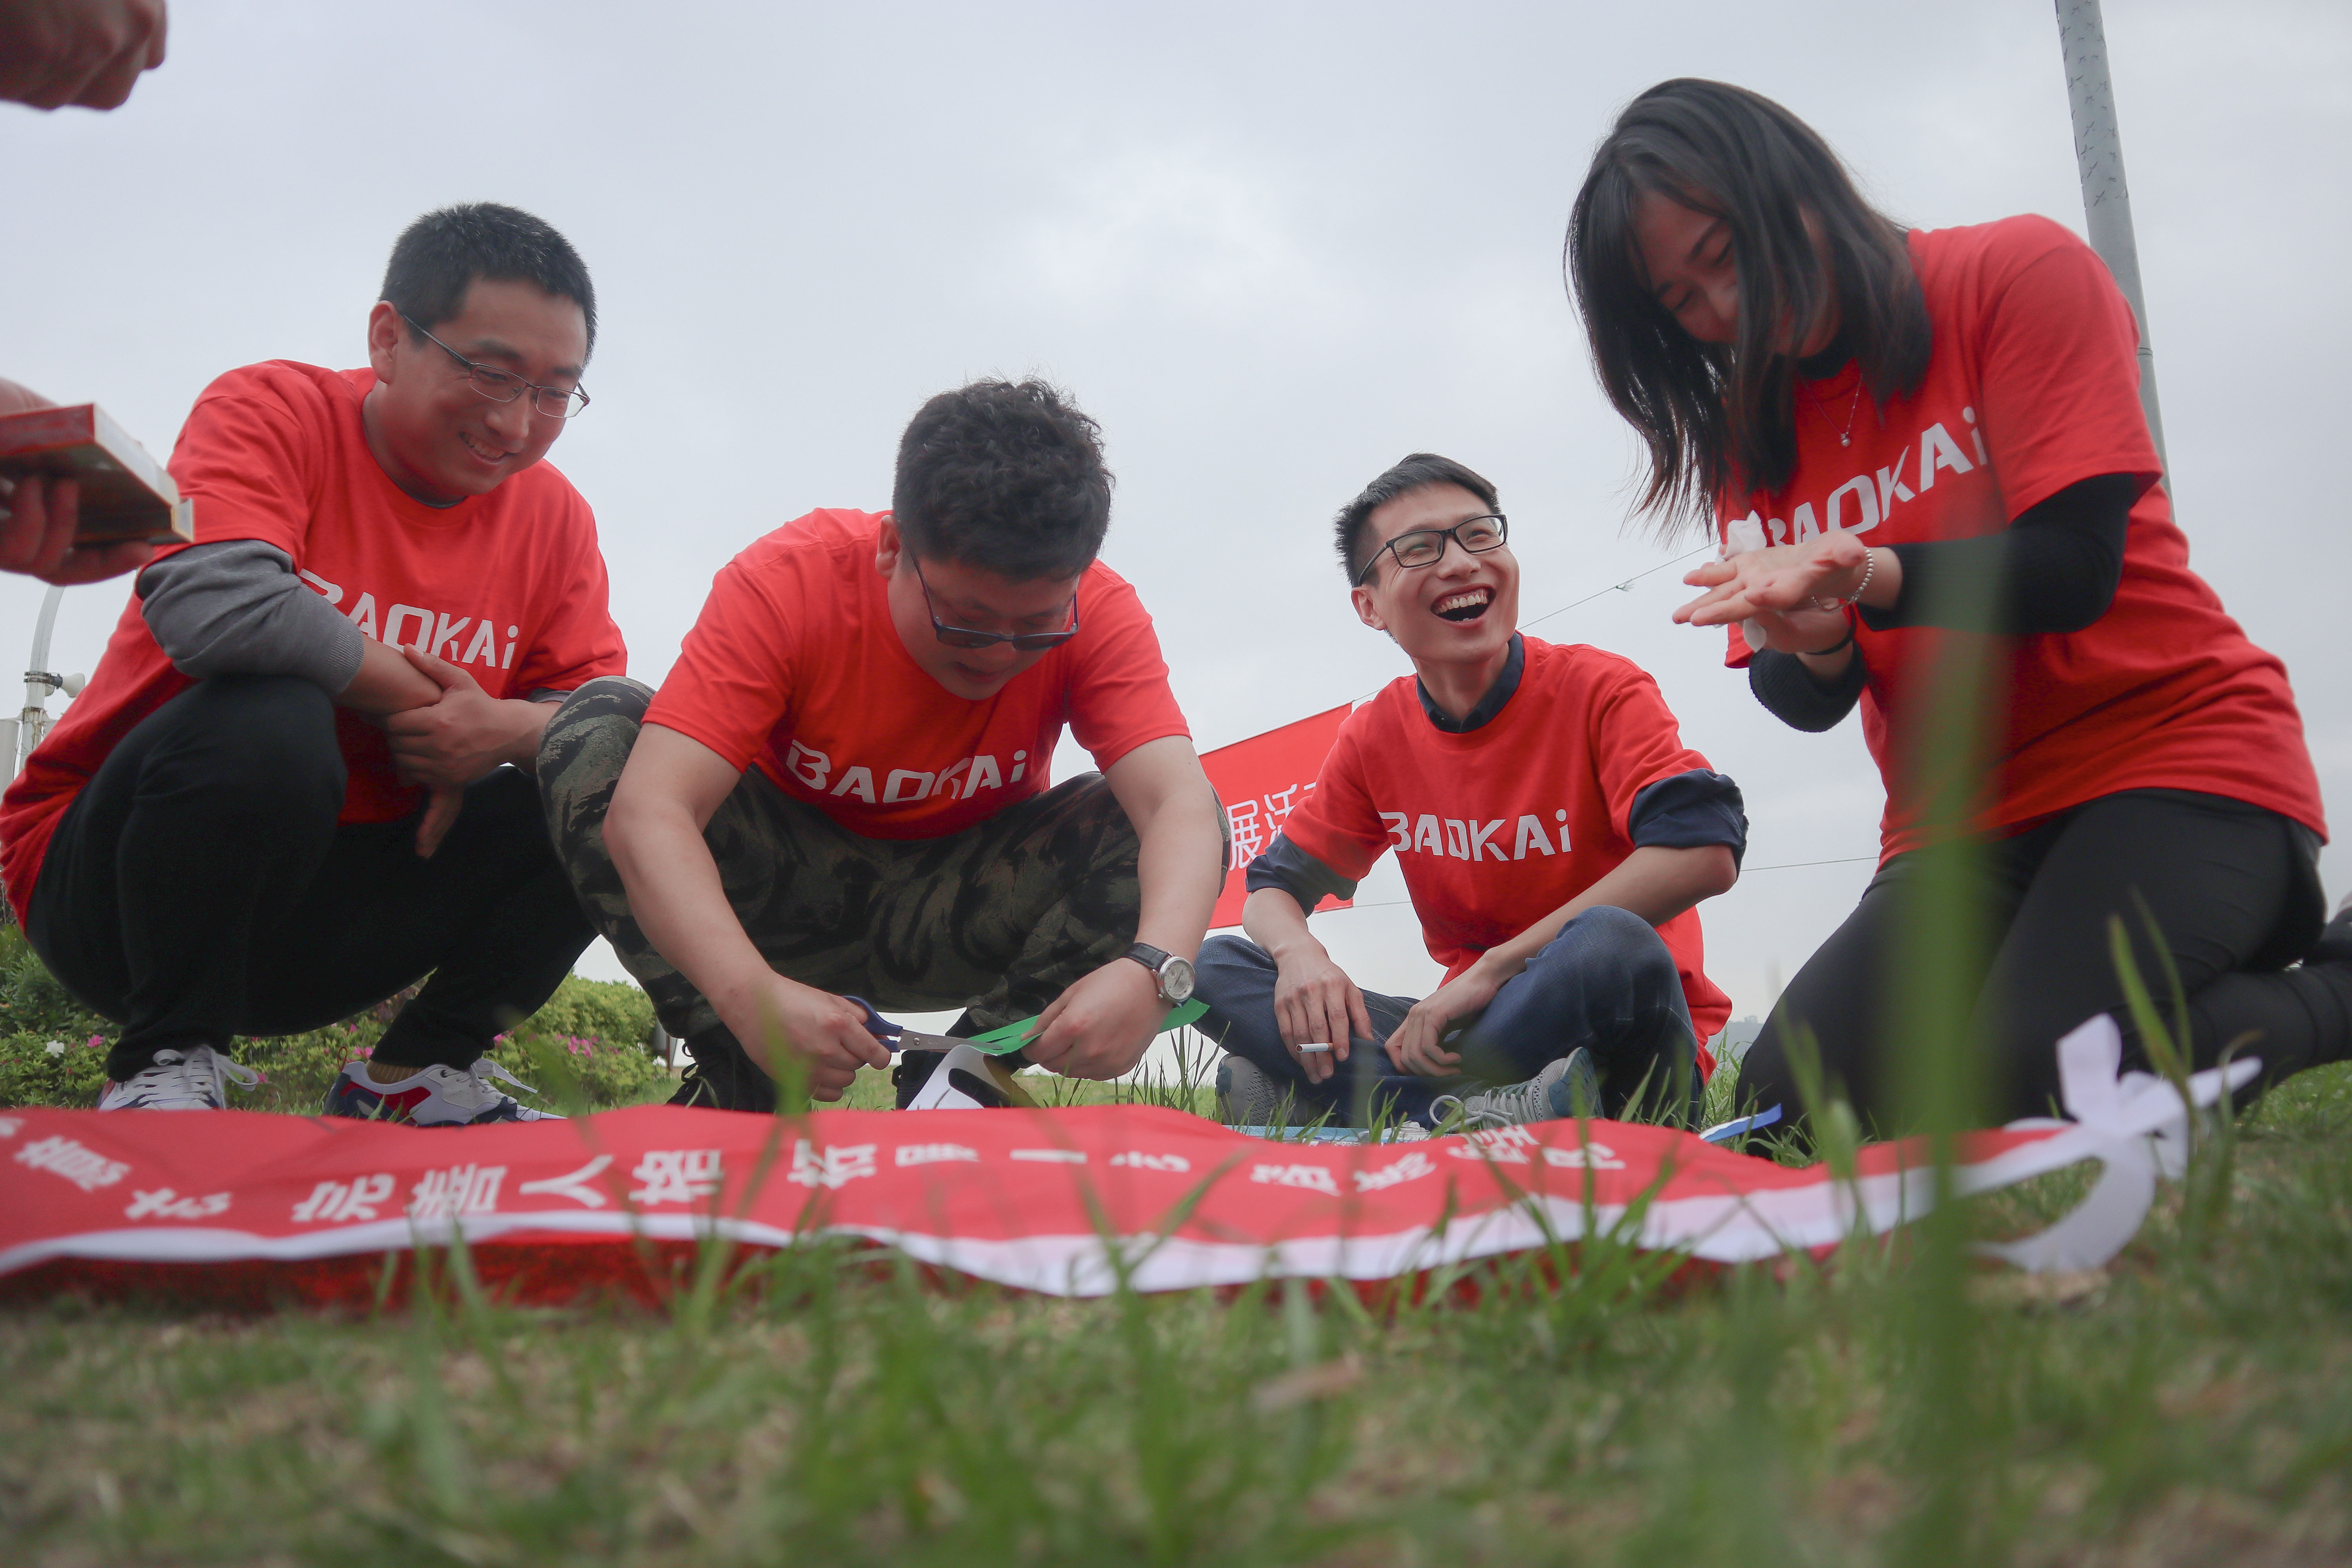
{"x": 94, "y": 1042}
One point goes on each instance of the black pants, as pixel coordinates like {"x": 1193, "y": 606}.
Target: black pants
{"x": 2233, "y": 890}
{"x": 200, "y": 887}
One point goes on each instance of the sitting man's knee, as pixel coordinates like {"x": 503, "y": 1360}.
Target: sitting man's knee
{"x": 607, "y": 697}
{"x": 1227, "y": 955}
{"x": 589, "y": 738}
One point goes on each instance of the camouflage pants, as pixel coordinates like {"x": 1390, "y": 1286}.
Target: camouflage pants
{"x": 998, "y": 918}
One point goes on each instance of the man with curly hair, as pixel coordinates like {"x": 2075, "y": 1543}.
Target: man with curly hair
{"x": 842, "y": 789}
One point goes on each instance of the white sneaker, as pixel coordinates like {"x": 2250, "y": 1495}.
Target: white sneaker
{"x": 1569, "y": 1086}
{"x": 179, "y": 1080}
{"x": 437, "y": 1097}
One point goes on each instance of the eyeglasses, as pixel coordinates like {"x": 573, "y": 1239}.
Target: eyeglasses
{"x": 1023, "y": 642}
{"x": 504, "y": 386}
{"x": 1426, "y": 546}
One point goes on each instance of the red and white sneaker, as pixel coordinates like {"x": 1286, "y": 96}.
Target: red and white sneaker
{"x": 195, "y": 1080}
{"x": 437, "y": 1097}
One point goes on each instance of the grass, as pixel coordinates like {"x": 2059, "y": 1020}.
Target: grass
{"x": 2191, "y": 1403}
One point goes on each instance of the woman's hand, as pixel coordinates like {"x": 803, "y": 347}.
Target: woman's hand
{"x": 1416, "y": 1046}
{"x": 1781, "y": 581}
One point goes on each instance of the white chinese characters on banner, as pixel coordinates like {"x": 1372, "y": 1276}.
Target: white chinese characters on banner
{"x": 1257, "y": 819}
{"x": 460, "y": 1189}
{"x": 831, "y": 1165}
{"x": 165, "y": 1203}
{"x": 337, "y": 1201}
{"x": 677, "y": 1175}
{"x": 84, "y": 1167}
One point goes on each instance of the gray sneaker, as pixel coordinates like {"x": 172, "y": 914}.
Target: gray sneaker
{"x": 1569, "y": 1086}
{"x": 1245, "y": 1096}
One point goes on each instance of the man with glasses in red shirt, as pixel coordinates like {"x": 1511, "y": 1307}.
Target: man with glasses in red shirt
{"x": 298, "y": 781}
{"x": 842, "y": 789}
{"x": 1555, "y": 836}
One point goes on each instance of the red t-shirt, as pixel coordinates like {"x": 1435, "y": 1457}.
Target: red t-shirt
{"x": 2032, "y": 385}
{"x": 1496, "y": 827}
{"x": 509, "y": 587}
{"x": 795, "y": 669}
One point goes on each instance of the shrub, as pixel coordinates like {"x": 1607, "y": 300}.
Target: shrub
{"x": 598, "y": 1029}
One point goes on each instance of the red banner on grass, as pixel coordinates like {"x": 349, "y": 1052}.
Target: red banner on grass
{"x": 1263, "y": 780}
{"x": 247, "y": 1207}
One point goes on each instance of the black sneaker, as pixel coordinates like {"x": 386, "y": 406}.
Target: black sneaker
{"x": 724, "y": 1077}
{"x": 2335, "y": 943}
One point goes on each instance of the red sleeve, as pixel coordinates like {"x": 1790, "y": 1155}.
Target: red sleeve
{"x": 731, "y": 686}
{"x": 1736, "y": 651}
{"x": 577, "y": 640}
{"x": 248, "y": 456}
{"x": 1634, "y": 740}
{"x": 1336, "y": 823}
{"x": 1120, "y": 697}
{"x": 2058, "y": 368}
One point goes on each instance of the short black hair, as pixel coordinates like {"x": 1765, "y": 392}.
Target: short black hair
{"x": 1004, "y": 476}
{"x": 439, "y": 257}
{"x": 1417, "y": 471}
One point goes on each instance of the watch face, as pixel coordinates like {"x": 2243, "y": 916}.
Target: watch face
{"x": 1176, "y": 981}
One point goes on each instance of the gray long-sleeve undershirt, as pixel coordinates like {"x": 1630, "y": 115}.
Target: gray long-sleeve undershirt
{"x": 235, "y": 608}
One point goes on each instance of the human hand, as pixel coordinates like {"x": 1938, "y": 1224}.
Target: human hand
{"x": 1779, "y": 579}
{"x": 36, "y": 534}
{"x": 1315, "y": 1002}
{"x": 85, "y": 52}
{"x": 462, "y": 734}
{"x": 442, "y": 804}
{"x": 1101, "y": 1026}
{"x": 826, "y": 1033}
{"x": 1417, "y": 1045}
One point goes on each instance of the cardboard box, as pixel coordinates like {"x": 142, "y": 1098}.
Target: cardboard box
{"x": 125, "y": 493}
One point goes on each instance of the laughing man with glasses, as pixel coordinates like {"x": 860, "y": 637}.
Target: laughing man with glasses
{"x": 842, "y": 789}
{"x": 1555, "y": 836}
{"x": 298, "y": 782}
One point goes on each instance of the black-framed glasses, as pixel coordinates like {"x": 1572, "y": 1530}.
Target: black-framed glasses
{"x": 963, "y": 636}
{"x": 505, "y": 387}
{"x": 1426, "y": 546}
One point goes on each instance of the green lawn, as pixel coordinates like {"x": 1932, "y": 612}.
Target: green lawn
{"x": 2192, "y": 1404}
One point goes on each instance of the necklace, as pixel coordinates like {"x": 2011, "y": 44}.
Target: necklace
{"x": 1846, "y": 437}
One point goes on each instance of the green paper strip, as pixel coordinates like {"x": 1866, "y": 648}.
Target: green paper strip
{"x": 1012, "y": 1036}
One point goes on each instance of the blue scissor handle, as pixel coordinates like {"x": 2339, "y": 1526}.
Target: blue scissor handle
{"x": 880, "y": 1027}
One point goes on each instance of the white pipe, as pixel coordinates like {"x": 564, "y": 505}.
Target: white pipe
{"x": 38, "y": 683}
{"x": 2106, "y": 199}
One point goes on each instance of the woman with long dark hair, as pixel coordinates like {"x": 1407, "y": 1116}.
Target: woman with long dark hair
{"x": 1918, "y": 445}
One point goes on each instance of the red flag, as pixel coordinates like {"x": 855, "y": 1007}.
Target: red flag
{"x": 1262, "y": 780}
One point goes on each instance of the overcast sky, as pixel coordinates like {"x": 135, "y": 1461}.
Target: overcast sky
{"x": 1271, "y": 246}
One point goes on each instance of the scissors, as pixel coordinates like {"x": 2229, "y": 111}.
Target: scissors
{"x": 996, "y": 1042}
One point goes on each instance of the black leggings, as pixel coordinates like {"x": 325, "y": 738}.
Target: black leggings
{"x": 2232, "y": 888}
{"x": 200, "y": 887}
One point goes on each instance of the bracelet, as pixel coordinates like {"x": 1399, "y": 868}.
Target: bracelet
{"x": 1869, "y": 566}
{"x": 1833, "y": 648}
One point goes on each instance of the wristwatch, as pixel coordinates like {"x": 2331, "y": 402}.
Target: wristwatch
{"x": 1173, "y": 974}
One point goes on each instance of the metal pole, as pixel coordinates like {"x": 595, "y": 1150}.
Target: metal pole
{"x": 38, "y": 684}
{"x": 2106, "y": 200}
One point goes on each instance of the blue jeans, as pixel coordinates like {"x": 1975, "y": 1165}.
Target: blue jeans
{"x": 1605, "y": 983}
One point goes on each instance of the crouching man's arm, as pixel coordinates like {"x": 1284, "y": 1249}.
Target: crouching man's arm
{"x": 664, "y": 799}
{"x": 1315, "y": 1002}
{"x": 1101, "y": 1026}
{"x": 1653, "y": 882}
